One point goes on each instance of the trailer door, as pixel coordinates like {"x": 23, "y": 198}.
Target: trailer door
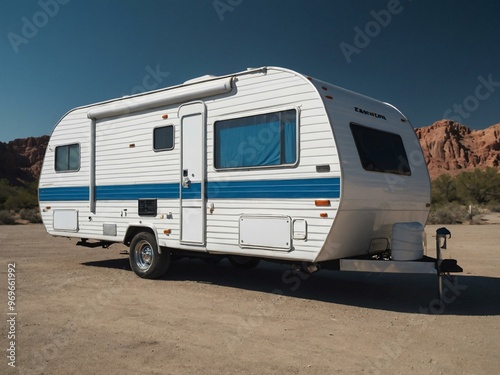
{"x": 192, "y": 173}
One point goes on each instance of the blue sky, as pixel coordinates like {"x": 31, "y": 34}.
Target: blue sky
{"x": 430, "y": 58}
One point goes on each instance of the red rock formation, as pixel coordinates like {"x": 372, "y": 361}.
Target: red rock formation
{"x": 30, "y": 152}
{"x": 21, "y": 159}
{"x": 450, "y": 147}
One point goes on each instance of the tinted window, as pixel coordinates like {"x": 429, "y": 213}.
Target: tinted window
{"x": 163, "y": 138}
{"x": 380, "y": 151}
{"x": 67, "y": 158}
{"x": 257, "y": 141}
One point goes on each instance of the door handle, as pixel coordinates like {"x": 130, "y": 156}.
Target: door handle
{"x": 186, "y": 182}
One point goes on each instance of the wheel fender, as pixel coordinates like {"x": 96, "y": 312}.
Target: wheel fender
{"x": 133, "y": 229}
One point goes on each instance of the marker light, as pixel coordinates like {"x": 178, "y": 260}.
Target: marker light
{"x": 322, "y": 203}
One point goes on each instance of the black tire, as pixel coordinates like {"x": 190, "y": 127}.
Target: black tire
{"x": 144, "y": 258}
{"x": 243, "y": 262}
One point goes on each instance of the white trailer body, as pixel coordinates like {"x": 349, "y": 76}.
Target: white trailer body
{"x": 267, "y": 163}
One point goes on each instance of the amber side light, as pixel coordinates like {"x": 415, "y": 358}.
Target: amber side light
{"x": 322, "y": 203}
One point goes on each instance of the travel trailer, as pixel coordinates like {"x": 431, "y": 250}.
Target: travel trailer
{"x": 262, "y": 164}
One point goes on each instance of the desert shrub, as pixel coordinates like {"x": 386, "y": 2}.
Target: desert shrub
{"x": 493, "y": 206}
{"x": 448, "y": 214}
{"x": 32, "y": 215}
{"x": 478, "y": 186}
{"x": 6, "y": 191}
{"x": 7, "y": 217}
{"x": 444, "y": 189}
{"x": 21, "y": 199}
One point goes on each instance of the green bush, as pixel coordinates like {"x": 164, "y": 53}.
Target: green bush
{"x": 444, "y": 189}
{"x": 32, "y": 215}
{"x": 478, "y": 186}
{"x": 18, "y": 197}
{"x": 7, "y": 217}
{"x": 6, "y": 191}
{"x": 22, "y": 199}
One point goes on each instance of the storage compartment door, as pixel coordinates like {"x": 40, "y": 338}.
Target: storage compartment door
{"x": 66, "y": 220}
{"x": 265, "y": 232}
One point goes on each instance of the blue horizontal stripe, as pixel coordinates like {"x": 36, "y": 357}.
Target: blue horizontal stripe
{"x": 192, "y": 192}
{"x": 131, "y": 192}
{"x": 73, "y": 193}
{"x": 296, "y": 188}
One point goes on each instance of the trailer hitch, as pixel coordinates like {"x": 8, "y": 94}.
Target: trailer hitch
{"x": 84, "y": 243}
{"x": 444, "y": 266}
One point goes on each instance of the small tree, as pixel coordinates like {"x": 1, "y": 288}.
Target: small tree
{"x": 6, "y": 191}
{"x": 18, "y": 197}
{"x": 444, "y": 189}
{"x": 478, "y": 186}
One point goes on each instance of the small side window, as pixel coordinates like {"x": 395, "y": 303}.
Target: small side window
{"x": 163, "y": 138}
{"x": 67, "y": 158}
{"x": 380, "y": 151}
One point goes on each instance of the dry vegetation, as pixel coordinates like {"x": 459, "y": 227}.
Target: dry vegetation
{"x": 466, "y": 197}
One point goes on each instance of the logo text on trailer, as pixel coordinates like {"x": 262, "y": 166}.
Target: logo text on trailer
{"x": 368, "y": 113}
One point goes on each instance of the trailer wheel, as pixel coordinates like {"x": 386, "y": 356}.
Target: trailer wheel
{"x": 144, "y": 258}
{"x": 243, "y": 262}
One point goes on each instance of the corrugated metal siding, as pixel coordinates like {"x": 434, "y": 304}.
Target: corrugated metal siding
{"x": 117, "y": 163}
{"x": 276, "y": 91}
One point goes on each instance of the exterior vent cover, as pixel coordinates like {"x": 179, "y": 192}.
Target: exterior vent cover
{"x": 147, "y": 207}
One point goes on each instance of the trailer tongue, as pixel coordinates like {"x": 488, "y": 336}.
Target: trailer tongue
{"x": 384, "y": 263}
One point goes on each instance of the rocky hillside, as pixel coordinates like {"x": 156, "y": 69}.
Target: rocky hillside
{"x": 450, "y": 147}
{"x": 21, "y": 159}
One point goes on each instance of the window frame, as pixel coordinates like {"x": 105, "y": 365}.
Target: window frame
{"x": 398, "y": 170}
{"x": 267, "y": 111}
{"x": 173, "y": 138}
{"x": 68, "y": 161}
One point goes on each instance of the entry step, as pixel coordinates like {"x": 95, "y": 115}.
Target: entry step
{"x": 450, "y": 265}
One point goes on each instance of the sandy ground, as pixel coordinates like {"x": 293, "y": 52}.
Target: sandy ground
{"x": 83, "y": 311}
